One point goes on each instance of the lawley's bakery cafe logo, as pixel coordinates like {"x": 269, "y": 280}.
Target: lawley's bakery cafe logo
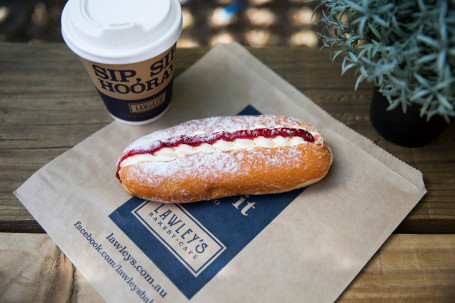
{"x": 190, "y": 242}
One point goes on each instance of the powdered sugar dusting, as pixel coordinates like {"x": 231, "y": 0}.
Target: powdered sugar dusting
{"x": 197, "y": 164}
{"x": 184, "y": 150}
{"x": 215, "y": 124}
{"x": 210, "y": 170}
{"x": 224, "y": 164}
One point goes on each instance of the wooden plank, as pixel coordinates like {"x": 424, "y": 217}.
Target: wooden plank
{"x": 408, "y": 268}
{"x": 33, "y": 269}
{"x": 48, "y": 105}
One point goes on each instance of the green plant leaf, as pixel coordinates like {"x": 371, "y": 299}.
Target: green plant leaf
{"x": 381, "y": 21}
{"x": 393, "y": 105}
{"x": 354, "y": 6}
{"x": 345, "y": 68}
{"x": 421, "y": 5}
{"x": 422, "y": 80}
{"x": 337, "y": 53}
{"x": 360, "y": 78}
{"x": 427, "y": 40}
{"x": 441, "y": 61}
{"x": 407, "y": 48}
{"x": 419, "y": 94}
{"x": 444, "y": 101}
{"x": 427, "y": 58}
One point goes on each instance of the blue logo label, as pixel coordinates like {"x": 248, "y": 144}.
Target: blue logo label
{"x": 192, "y": 242}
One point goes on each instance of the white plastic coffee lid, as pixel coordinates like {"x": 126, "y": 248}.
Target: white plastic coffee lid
{"x": 121, "y": 31}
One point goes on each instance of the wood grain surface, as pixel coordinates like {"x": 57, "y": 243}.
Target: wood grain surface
{"x": 408, "y": 268}
{"x": 48, "y": 104}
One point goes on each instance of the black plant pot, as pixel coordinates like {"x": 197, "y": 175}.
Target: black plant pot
{"x": 405, "y": 129}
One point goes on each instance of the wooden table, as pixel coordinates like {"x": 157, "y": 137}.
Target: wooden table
{"x": 47, "y": 105}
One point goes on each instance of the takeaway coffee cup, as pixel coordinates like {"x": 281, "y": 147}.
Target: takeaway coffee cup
{"x": 128, "y": 49}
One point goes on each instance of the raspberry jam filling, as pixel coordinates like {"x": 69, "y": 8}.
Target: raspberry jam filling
{"x": 224, "y": 136}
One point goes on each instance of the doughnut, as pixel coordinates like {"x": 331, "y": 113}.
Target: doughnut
{"x": 224, "y": 156}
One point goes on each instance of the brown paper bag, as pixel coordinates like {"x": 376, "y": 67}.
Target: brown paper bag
{"x": 302, "y": 246}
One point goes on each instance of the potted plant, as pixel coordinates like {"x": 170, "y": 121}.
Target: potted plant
{"x": 407, "y": 48}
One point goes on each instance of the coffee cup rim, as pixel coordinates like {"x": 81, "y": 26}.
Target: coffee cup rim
{"x": 90, "y": 45}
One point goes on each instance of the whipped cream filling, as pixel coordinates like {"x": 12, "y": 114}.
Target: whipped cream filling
{"x": 168, "y": 154}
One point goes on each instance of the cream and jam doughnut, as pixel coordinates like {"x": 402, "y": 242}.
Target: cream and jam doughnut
{"x": 224, "y": 156}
